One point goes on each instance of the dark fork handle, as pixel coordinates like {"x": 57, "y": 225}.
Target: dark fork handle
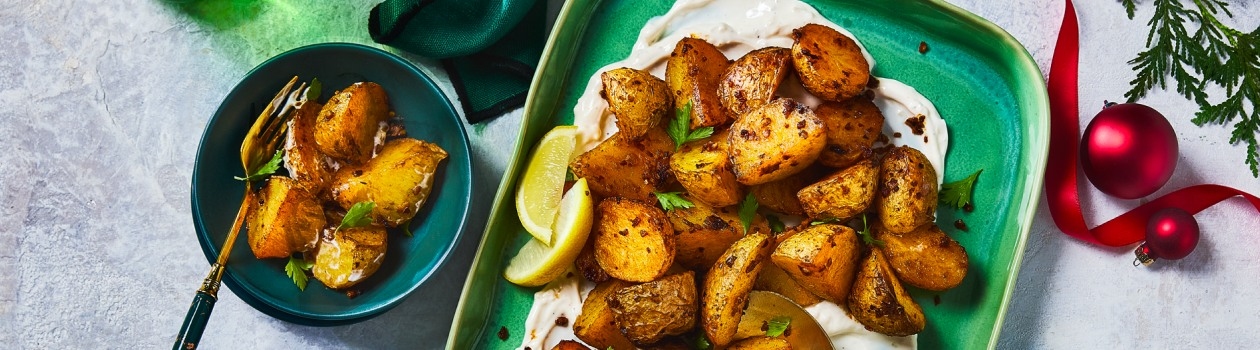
{"x": 195, "y": 321}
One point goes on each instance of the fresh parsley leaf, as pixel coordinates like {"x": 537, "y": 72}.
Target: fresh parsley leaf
{"x": 776, "y": 225}
{"x": 313, "y": 91}
{"x": 748, "y": 211}
{"x": 867, "y": 237}
{"x": 296, "y": 269}
{"x": 776, "y": 326}
{"x": 823, "y": 221}
{"x": 701, "y": 342}
{"x": 357, "y": 216}
{"x": 406, "y": 228}
{"x": 958, "y": 193}
{"x": 266, "y": 170}
{"x": 673, "y": 200}
{"x": 679, "y": 128}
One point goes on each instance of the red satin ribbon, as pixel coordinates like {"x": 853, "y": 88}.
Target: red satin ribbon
{"x": 1061, "y": 184}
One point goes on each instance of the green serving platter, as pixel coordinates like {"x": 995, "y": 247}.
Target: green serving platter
{"x": 987, "y": 88}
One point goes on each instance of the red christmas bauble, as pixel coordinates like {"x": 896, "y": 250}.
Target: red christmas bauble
{"x": 1171, "y": 233}
{"x": 1129, "y": 151}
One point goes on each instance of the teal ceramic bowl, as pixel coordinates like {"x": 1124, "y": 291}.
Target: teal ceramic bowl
{"x": 409, "y": 261}
{"x": 987, "y": 88}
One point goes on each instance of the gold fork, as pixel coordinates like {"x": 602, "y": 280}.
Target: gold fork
{"x": 260, "y": 144}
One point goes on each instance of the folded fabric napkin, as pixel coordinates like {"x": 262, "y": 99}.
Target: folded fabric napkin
{"x": 488, "y": 47}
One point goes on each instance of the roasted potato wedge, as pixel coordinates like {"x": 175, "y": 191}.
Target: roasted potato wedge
{"x": 774, "y": 141}
{"x": 350, "y": 256}
{"x": 830, "y": 64}
{"x": 880, "y": 303}
{"x": 925, "y": 257}
{"x": 648, "y": 312}
{"x": 398, "y": 180}
{"x": 634, "y": 241}
{"x": 302, "y": 157}
{"x": 705, "y": 232}
{"x": 853, "y": 125}
{"x": 597, "y": 324}
{"x": 842, "y": 195}
{"x": 588, "y": 266}
{"x": 625, "y": 167}
{"x": 753, "y": 79}
{"x": 780, "y": 195}
{"x": 727, "y": 284}
{"x": 284, "y": 218}
{"x": 638, "y": 99}
{"x": 349, "y": 123}
{"x": 705, "y": 170}
{"x": 693, "y": 72}
{"x": 774, "y": 279}
{"x": 823, "y": 259}
{"x": 907, "y": 190}
{"x": 761, "y": 343}
{"x": 569, "y": 345}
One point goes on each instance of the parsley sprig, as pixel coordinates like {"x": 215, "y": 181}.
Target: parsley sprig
{"x": 776, "y": 326}
{"x": 748, "y": 211}
{"x": 680, "y": 128}
{"x": 357, "y": 216}
{"x": 266, "y": 170}
{"x": 958, "y": 193}
{"x": 867, "y": 237}
{"x": 1211, "y": 54}
{"x": 672, "y": 200}
{"x": 296, "y": 269}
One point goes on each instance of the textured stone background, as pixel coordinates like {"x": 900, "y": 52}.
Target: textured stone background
{"x": 105, "y": 101}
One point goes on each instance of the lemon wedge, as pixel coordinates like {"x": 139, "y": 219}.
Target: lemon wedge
{"x": 536, "y": 263}
{"x": 538, "y": 194}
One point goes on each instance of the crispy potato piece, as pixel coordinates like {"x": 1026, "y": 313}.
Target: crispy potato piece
{"x": 727, "y": 284}
{"x": 589, "y": 266}
{"x": 880, "y": 303}
{"x": 925, "y": 257}
{"x": 705, "y": 170}
{"x": 780, "y": 195}
{"x": 830, "y": 64}
{"x": 842, "y": 195}
{"x": 761, "y": 343}
{"x": 752, "y": 80}
{"x": 350, "y": 256}
{"x": 648, "y": 312}
{"x": 569, "y": 345}
{"x": 349, "y": 123}
{"x": 705, "y": 232}
{"x": 597, "y": 325}
{"x": 284, "y": 218}
{"x": 823, "y": 259}
{"x": 638, "y": 99}
{"x": 634, "y": 241}
{"x": 398, "y": 179}
{"x": 774, "y": 141}
{"x": 774, "y": 279}
{"x": 622, "y": 167}
{"x": 852, "y": 128}
{"x": 693, "y": 72}
{"x": 907, "y": 190}
{"x": 302, "y": 157}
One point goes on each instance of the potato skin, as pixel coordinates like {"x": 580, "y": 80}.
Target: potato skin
{"x": 588, "y": 266}
{"x": 349, "y": 121}
{"x": 398, "y": 180}
{"x": 830, "y": 64}
{"x": 774, "y": 279}
{"x": 880, "y": 303}
{"x": 625, "y": 167}
{"x": 925, "y": 257}
{"x": 823, "y": 259}
{"x": 597, "y": 325}
{"x": 634, "y": 241}
{"x": 705, "y": 232}
{"x": 853, "y": 125}
{"x": 648, "y": 312}
{"x": 705, "y": 170}
{"x": 841, "y": 195}
{"x": 774, "y": 141}
{"x": 284, "y": 218}
{"x": 302, "y": 157}
{"x": 693, "y": 72}
{"x": 638, "y": 99}
{"x": 569, "y": 345}
{"x": 907, "y": 190}
{"x": 350, "y": 256}
{"x": 753, "y": 79}
{"x": 761, "y": 343}
{"x": 727, "y": 284}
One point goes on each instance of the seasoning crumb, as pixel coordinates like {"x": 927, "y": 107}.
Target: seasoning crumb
{"x": 936, "y": 299}
{"x": 923, "y": 48}
{"x": 896, "y": 134}
{"x": 562, "y": 321}
{"x": 353, "y": 293}
{"x": 968, "y": 207}
{"x": 917, "y": 124}
{"x": 959, "y": 224}
{"x": 503, "y": 333}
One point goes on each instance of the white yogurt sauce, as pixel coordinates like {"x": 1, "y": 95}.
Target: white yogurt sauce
{"x": 737, "y": 27}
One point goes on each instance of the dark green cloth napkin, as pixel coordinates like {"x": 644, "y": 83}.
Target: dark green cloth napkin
{"x": 488, "y": 47}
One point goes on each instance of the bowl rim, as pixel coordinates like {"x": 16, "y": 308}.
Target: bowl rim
{"x": 248, "y": 293}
